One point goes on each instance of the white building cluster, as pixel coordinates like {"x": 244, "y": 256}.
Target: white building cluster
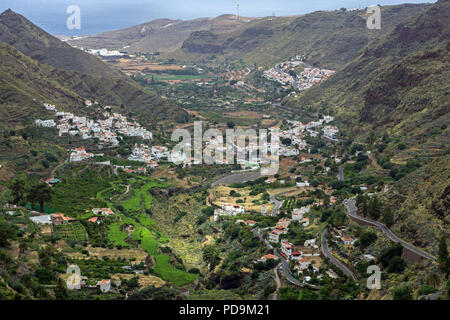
{"x": 107, "y": 130}
{"x": 298, "y": 131}
{"x": 286, "y": 74}
{"x": 104, "y": 52}
{"x": 80, "y": 154}
{"x": 45, "y": 123}
{"x": 228, "y": 210}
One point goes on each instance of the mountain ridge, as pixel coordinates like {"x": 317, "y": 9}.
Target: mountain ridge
{"x": 33, "y": 41}
{"x": 62, "y": 66}
{"x": 157, "y": 35}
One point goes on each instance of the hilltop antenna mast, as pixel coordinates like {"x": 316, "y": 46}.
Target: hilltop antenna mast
{"x": 237, "y": 16}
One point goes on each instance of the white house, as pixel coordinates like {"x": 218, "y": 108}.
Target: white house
{"x": 310, "y": 243}
{"x": 348, "y": 241}
{"x": 274, "y": 236}
{"x": 303, "y": 264}
{"x": 296, "y": 255}
{"x": 297, "y": 213}
{"x": 80, "y": 154}
{"x": 286, "y": 248}
{"x": 235, "y": 209}
{"x": 305, "y": 222}
{"x": 103, "y": 211}
{"x": 45, "y": 123}
{"x": 303, "y": 184}
{"x": 105, "y": 285}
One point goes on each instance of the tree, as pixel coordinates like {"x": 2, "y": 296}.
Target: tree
{"x": 211, "y": 256}
{"x": 371, "y": 138}
{"x": 23, "y": 246}
{"x": 402, "y": 293}
{"x": 61, "y": 292}
{"x": 367, "y": 238}
{"x": 388, "y": 217}
{"x": 40, "y": 193}
{"x": 374, "y": 208}
{"x": 7, "y": 232}
{"x": 389, "y": 253}
{"x": 17, "y": 190}
{"x": 396, "y": 265}
{"x": 443, "y": 259}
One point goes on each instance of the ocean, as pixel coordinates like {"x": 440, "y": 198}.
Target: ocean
{"x": 94, "y": 17}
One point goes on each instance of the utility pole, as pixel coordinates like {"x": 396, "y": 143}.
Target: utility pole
{"x": 238, "y": 17}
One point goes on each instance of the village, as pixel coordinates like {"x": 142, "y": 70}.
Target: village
{"x": 296, "y": 133}
{"x": 297, "y": 74}
{"x": 107, "y": 130}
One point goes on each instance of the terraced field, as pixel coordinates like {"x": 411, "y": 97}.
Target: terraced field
{"x": 146, "y": 230}
{"x": 72, "y": 231}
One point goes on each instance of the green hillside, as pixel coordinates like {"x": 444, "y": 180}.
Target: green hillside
{"x": 395, "y": 97}
{"x": 422, "y": 200}
{"x": 327, "y": 38}
{"x": 399, "y": 84}
{"x": 25, "y": 82}
{"x": 34, "y": 42}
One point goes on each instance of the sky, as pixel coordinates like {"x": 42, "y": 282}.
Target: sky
{"x": 104, "y": 15}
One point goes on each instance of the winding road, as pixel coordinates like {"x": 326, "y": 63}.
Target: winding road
{"x": 326, "y": 252}
{"x": 284, "y": 268}
{"x": 278, "y": 204}
{"x": 352, "y": 211}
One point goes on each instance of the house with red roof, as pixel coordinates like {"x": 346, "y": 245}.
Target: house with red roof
{"x": 60, "y": 218}
{"x": 286, "y": 249}
{"x": 348, "y": 241}
{"x": 94, "y": 220}
{"x": 296, "y": 255}
{"x": 250, "y": 223}
{"x": 103, "y": 211}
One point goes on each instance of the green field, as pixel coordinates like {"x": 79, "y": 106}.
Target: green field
{"x": 169, "y": 77}
{"x": 171, "y": 274}
{"x": 117, "y": 237}
{"x": 141, "y": 197}
{"x": 145, "y": 228}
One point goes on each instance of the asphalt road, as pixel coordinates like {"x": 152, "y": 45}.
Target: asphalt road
{"x": 326, "y": 252}
{"x": 284, "y": 263}
{"x": 352, "y": 211}
{"x": 341, "y": 173}
{"x": 285, "y": 270}
{"x": 277, "y": 203}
